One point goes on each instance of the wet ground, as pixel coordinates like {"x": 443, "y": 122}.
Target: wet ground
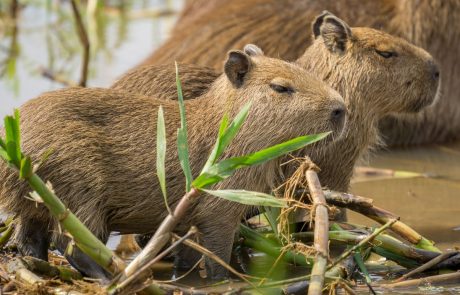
{"x": 122, "y": 37}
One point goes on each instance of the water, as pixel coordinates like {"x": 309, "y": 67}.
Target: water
{"x": 46, "y": 38}
{"x": 430, "y": 205}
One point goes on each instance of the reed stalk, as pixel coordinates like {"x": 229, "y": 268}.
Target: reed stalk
{"x": 321, "y": 239}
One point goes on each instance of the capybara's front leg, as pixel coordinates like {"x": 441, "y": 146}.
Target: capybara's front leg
{"x": 32, "y": 238}
{"x": 218, "y": 237}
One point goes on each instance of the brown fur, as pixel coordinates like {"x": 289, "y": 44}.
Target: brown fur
{"x": 372, "y": 86}
{"x": 279, "y": 27}
{"x": 104, "y": 155}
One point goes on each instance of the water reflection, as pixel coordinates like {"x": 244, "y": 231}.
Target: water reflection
{"x": 430, "y": 205}
{"x": 121, "y": 33}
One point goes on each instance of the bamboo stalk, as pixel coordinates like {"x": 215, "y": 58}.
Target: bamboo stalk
{"x": 123, "y": 287}
{"x": 362, "y": 242}
{"x": 321, "y": 230}
{"x": 197, "y": 247}
{"x": 384, "y": 245}
{"x": 45, "y": 268}
{"x": 438, "y": 279}
{"x": 156, "y": 243}
{"x": 364, "y": 206}
{"x": 433, "y": 262}
{"x": 81, "y": 235}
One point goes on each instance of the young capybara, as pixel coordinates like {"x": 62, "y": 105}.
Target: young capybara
{"x": 376, "y": 73}
{"x": 278, "y": 27}
{"x": 104, "y": 154}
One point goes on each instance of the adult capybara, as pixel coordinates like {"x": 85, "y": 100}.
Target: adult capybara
{"x": 376, "y": 73}
{"x": 104, "y": 152}
{"x": 278, "y": 27}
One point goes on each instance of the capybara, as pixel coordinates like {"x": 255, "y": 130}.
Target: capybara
{"x": 104, "y": 154}
{"x": 278, "y": 27}
{"x": 376, "y": 73}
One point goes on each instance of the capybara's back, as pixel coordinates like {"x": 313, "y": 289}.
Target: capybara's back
{"x": 279, "y": 26}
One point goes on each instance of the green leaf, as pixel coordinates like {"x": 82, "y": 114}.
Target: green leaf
{"x": 12, "y": 138}
{"x": 272, "y": 215}
{"x": 182, "y": 144}
{"x": 226, "y": 135}
{"x": 26, "y": 168}
{"x": 247, "y": 197}
{"x": 161, "y": 155}
{"x": 226, "y": 168}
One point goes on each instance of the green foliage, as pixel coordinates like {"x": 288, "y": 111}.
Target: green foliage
{"x": 219, "y": 171}
{"x": 11, "y": 146}
{"x": 182, "y": 144}
{"x": 226, "y": 135}
{"x": 161, "y": 155}
{"x": 247, "y": 197}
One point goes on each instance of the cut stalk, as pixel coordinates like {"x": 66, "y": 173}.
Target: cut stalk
{"x": 321, "y": 230}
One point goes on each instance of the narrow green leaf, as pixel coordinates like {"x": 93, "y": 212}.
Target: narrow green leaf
{"x": 272, "y": 215}
{"x": 226, "y": 168}
{"x": 360, "y": 262}
{"x": 235, "y": 127}
{"x": 248, "y": 197}
{"x": 214, "y": 153}
{"x": 226, "y": 135}
{"x": 17, "y": 133}
{"x": 182, "y": 144}
{"x": 161, "y": 155}
{"x": 26, "y": 168}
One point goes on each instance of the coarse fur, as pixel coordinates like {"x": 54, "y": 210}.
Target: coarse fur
{"x": 348, "y": 60}
{"x": 104, "y": 153}
{"x": 278, "y": 27}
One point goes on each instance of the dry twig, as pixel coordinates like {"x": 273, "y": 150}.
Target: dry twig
{"x": 84, "y": 42}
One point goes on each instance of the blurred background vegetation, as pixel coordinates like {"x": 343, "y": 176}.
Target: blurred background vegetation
{"x": 42, "y": 41}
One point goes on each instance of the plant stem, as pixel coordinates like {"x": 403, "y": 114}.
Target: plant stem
{"x": 438, "y": 279}
{"x": 363, "y": 242}
{"x": 123, "y": 287}
{"x": 159, "y": 239}
{"x": 427, "y": 265}
{"x": 321, "y": 230}
{"x": 364, "y": 206}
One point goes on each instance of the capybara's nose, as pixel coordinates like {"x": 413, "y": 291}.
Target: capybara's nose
{"x": 434, "y": 70}
{"x": 338, "y": 115}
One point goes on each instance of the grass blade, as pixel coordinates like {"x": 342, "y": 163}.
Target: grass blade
{"x": 12, "y": 138}
{"x": 248, "y": 197}
{"x": 161, "y": 155}
{"x": 226, "y": 135}
{"x": 182, "y": 144}
{"x": 226, "y": 168}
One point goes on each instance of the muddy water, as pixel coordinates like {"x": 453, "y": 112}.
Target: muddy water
{"x": 429, "y": 204}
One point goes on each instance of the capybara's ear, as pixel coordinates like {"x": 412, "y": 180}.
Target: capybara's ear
{"x": 334, "y": 31}
{"x": 253, "y": 50}
{"x": 237, "y": 66}
{"x": 318, "y": 22}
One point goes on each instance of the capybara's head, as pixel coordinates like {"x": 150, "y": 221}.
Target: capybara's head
{"x": 287, "y": 101}
{"x": 385, "y": 73}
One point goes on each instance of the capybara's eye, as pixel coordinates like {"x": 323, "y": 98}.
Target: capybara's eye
{"x": 386, "y": 54}
{"x": 281, "y": 89}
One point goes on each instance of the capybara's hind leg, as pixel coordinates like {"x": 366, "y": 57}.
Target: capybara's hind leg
{"x": 32, "y": 238}
{"x": 82, "y": 262}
